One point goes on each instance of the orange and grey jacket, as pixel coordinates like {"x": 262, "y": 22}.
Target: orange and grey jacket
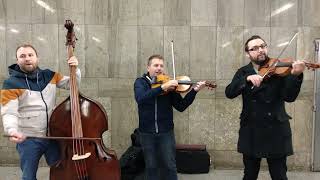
{"x": 27, "y": 100}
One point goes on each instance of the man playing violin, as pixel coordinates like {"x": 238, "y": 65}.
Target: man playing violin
{"x": 264, "y": 124}
{"x": 27, "y": 101}
{"x": 156, "y": 119}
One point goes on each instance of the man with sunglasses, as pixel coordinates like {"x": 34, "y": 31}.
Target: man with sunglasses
{"x": 264, "y": 124}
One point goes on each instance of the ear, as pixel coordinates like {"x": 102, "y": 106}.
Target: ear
{"x": 247, "y": 54}
{"x": 148, "y": 68}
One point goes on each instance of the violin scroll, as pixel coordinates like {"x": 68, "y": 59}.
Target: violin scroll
{"x": 210, "y": 84}
{"x": 311, "y": 66}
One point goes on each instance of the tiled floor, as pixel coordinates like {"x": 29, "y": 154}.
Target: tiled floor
{"x": 13, "y": 173}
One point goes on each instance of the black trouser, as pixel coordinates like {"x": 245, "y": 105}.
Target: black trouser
{"x": 277, "y": 168}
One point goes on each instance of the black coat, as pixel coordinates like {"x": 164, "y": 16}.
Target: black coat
{"x": 264, "y": 124}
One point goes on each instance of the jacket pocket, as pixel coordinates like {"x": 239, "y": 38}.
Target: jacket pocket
{"x": 286, "y": 129}
{"x": 30, "y": 119}
{"x": 282, "y": 117}
{"x": 29, "y": 114}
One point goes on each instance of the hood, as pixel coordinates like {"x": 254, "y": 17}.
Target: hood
{"x": 35, "y": 81}
{"x": 15, "y": 71}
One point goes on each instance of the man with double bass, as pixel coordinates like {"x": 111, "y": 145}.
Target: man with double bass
{"x": 156, "y": 119}
{"x": 264, "y": 124}
{"x": 27, "y": 100}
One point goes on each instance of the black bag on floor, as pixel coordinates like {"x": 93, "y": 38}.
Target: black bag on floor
{"x": 192, "y": 159}
{"x": 132, "y": 161}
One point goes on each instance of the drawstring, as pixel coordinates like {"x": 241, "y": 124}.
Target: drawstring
{"x": 38, "y": 80}
{"x": 28, "y": 83}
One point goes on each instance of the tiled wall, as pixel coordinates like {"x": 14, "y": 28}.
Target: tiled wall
{"x": 117, "y": 36}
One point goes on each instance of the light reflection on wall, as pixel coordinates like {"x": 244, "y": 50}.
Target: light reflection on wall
{"x": 45, "y": 6}
{"x": 226, "y": 44}
{"x": 41, "y": 39}
{"x": 282, "y": 9}
{"x": 282, "y": 44}
{"x": 96, "y": 39}
{"x": 14, "y": 31}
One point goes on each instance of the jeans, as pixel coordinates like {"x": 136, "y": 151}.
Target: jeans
{"x": 30, "y": 152}
{"x": 159, "y": 152}
{"x": 277, "y": 168}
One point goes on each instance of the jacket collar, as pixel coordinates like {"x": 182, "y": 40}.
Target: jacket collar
{"x": 249, "y": 69}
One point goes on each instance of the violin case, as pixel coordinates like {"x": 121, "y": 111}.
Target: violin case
{"x": 192, "y": 159}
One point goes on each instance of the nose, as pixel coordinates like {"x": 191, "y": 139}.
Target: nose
{"x": 27, "y": 60}
{"x": 158, "y": 67}
{"x": 261, "y": 49}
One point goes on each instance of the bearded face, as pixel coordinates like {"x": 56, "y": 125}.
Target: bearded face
{"x": 260, "y": 59}
{"x": 257, "y": 51}
{"x": 27, "y": 59}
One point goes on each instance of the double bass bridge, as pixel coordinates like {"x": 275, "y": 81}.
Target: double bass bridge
{"x": 76, "y": 157}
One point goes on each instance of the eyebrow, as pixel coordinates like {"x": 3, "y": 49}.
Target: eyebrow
{"x": 260, "y": 44}
{"x": 26, "y": 54}
{"x": 257, "y": 46}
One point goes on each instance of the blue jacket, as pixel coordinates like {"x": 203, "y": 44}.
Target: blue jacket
{"x": 155, "y": 110}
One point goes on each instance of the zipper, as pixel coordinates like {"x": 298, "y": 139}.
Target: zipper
{"x": 44, "y": 104}
{"x": 155, "y": 115}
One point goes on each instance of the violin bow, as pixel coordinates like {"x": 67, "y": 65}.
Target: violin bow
{"x": 294, "y": 36}
{"x": 173, "y": 65}
{"x": 56, "y": 137}
{"x": 274, "y": 64}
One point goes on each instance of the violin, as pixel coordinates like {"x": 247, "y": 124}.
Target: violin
{"x": 184, "y": 83}
{"x": 281, "y": 67}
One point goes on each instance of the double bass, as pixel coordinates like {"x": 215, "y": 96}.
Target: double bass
{"x": 77, "y": 124}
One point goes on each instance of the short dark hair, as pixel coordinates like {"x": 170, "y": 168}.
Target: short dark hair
{"x": 155, "y": 56}
{"x": 246, "y": 48}
{"x": 25, "y": 46}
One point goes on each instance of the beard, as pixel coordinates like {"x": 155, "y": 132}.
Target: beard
{"x": 28, "y": 68}
{"x": 260, "y": 60}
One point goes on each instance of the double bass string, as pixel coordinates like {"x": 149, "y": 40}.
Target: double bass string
{"x": 78, "y": 147}
{"x": 73, "y": 118}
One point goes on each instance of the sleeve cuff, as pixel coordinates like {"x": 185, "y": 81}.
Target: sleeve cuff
{"x": 158, "y": 90}
{"x": 244, "y": 83}
{"x": 11, "y": 130}
{"x": 193, "y": 92}
{"x": 298, "y": 78}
